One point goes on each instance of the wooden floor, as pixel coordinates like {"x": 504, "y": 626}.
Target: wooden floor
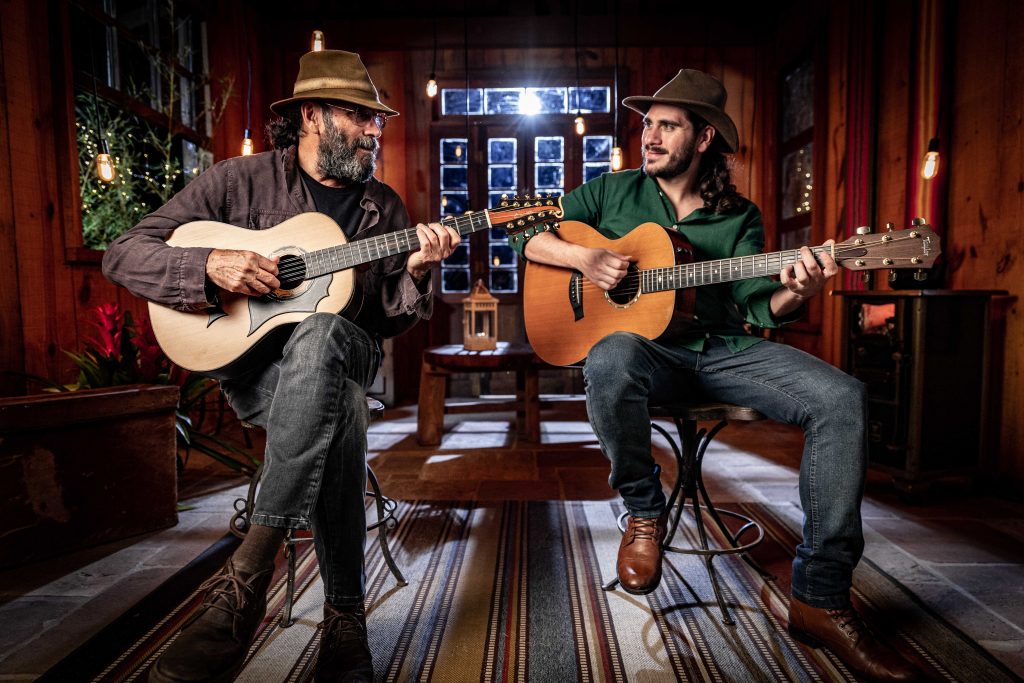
{"x": 960, "y": 552}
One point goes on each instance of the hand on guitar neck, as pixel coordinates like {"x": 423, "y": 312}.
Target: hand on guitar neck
{"x": 802, "y": 280}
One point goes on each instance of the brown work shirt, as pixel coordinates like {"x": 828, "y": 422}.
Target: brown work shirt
{"x": 259, "y": 192}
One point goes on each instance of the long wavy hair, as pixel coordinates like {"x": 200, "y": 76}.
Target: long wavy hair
{"x": 284, "y": 132}
{"x": 714, "y": 176}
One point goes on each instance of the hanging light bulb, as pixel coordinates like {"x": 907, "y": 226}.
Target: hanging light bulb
{"x": 318, "y": 41}
{"x": 247, "y": 143}
{"x": 458, "y": 151}
{"x": 104, "y": 164}
{"x": 581, "y": 127}
{"x": 930, "y": 168}
{"x": 616, "y": 158}
{"x": 444, "y": 200}
{"x": 432, "y": 86}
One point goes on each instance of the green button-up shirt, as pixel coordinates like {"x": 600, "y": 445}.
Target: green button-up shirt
{"x": 615, "y": 203}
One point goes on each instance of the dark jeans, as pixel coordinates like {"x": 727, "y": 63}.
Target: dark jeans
{"x": 625, "y": 372}
{"x": 312, "y": 402}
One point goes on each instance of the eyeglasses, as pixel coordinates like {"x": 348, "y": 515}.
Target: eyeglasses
{"x": 363, "y": 116}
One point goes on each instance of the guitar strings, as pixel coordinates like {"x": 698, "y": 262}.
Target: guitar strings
{"x": 630, "y": 283}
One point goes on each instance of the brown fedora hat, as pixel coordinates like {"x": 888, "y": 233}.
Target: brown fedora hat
{"x": 695, "y": 90}
{"x": 334, "y": 75}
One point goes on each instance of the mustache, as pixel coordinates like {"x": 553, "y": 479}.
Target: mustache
{"x": 652, "y": 148}
{"x": 367, "y": 142}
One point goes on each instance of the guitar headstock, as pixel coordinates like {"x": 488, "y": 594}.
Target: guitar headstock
{"x": 523, "y": 217}
{"x": 916, "y": 247}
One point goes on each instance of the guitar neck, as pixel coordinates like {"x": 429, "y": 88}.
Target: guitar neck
{"x": 343, "y": 256}
{"x": 721, "y": 270}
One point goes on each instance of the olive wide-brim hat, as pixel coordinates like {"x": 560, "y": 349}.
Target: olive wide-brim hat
{"x": 702, "y": 94}
{"x": 334, "y": 75}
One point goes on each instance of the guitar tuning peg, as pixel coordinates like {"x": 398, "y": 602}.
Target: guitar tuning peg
{"x": 889, "y": 227}
{"x": 866, "y": 276}
{"x": 892, "y": 275}
{"x": 864, "y": 230}
{"x": 917, "y": 221}
{"x": 920, "y": 275}
{"x": 504, "y": 196}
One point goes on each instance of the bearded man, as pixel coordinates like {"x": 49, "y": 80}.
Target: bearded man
{"x": 311, "y": 397}
{"x": 685, "y": 185}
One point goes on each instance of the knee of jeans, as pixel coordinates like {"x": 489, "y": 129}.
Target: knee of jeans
{"x": 611, "y": 355}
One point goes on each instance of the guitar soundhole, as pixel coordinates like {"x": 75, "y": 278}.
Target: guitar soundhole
{"x": 291, "y": 271}
{"x": 628, "y": 288}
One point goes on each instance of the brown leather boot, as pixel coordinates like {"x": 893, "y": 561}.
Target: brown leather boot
{"x": 212, "y": 645}
{"x": 344, "y": 652}
{"x": 639, "y": 561}
{"x": 846, "y": 634}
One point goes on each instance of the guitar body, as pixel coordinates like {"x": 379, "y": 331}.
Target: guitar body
{"x": 566, "y": 314}
{"x": 227, "y": 341}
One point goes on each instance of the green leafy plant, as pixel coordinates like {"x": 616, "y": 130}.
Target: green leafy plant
{"x": 120, "y": 352}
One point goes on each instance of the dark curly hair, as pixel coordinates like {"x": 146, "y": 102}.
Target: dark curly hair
{"x": 714, "y": 177}
{"x": 284, "y": 132}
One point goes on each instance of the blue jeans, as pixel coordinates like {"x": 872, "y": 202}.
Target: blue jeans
{"x": 625, "y": 372}
{"x": 312, "y": 402}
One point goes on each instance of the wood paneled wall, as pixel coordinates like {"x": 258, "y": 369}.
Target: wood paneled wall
{"x": 43, "y": 311}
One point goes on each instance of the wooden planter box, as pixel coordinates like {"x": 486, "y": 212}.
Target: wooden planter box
{"x": 86, "y": 467}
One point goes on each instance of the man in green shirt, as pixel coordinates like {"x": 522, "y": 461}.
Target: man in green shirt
{"x": 685, "y": 185}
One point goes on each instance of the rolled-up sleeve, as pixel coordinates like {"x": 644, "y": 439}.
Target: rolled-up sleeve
{"x": 141, "y": 261}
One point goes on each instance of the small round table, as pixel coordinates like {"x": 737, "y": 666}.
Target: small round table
{"x": 439, "y": 362}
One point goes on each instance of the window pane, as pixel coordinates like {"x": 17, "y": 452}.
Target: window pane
{"x": 454, "y": 280}
{"x": 454, "y": 203}
{"x": 503, "y": 281}
{"x": 597, "y": 148}
{"x": 594, "y": 170}
{"x": 502, "y": 100}
{"x": 502, "y": 255}
{"x": 549, "y": 149}
{"x": 798, "y": 101}
{"x": 453, "y": 151}
{"x": 453, "y": 101}
{"x": 454, "y": 178}
{"x": 501, "y": 150}
{"x": 459, "y": 256}
{"x": 548, "y": 100}
{"x": 796, "y": 182}
{"x": 589, "y": 99}
{"x": 549, "y": 175}
{"x": 501, "y": 177}
{"x": 136, "y": 73}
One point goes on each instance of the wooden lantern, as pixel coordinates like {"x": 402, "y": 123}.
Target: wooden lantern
{"x": 480, "y": 320}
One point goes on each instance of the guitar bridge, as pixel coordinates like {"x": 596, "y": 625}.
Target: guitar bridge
{"x": 576, "y": 294}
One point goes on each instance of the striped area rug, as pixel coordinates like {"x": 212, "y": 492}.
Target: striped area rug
{"x": 512, "y": 592}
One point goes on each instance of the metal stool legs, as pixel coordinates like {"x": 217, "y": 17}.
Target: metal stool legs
{"x": 385, "y": 521}
{"x": 689, "y": 453}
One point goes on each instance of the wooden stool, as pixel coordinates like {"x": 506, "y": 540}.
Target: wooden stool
{"x": 239, "y": 524}
{"x": 689, "y": 452}
{"x": 439, "y": 362}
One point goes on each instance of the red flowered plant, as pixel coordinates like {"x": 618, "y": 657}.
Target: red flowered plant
{"x": 120, "y": 352}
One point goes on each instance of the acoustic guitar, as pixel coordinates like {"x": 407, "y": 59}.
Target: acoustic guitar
{"x": 566, "y": 314}
{"x": 317, "y": 270}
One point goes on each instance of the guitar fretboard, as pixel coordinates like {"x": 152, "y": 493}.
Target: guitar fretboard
{"x": 333, "y": 259}
{"x": 722, "y": 270}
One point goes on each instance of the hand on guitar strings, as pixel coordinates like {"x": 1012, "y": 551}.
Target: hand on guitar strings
{"x": 242, "y": 272}
{"x": 437, "y": 242}
{"x": 807, "y": 277}
{"x": 604, "y": 267}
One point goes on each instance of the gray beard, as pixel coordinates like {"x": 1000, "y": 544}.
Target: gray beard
{"x": 339, "y": 159}
{"x": 676, "y": 166}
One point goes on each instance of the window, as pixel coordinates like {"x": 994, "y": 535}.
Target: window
{"x": 496, "y": 142}
{"x": 797, "y": 156}
{"x": 140, "y": 84}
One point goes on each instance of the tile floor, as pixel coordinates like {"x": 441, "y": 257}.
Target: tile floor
{"x": 962, "y": 553}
